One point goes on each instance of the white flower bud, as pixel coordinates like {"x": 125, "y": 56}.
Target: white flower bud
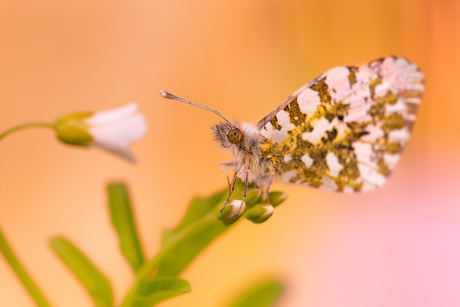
{"x": 237, "y": 208}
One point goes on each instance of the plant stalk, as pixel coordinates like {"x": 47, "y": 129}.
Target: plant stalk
{"x": 30, "y": 125}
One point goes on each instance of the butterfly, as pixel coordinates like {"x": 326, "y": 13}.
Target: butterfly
{"x": 343, "y": 131}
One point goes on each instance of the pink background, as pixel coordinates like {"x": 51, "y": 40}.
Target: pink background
{"x": 398, "y": 246}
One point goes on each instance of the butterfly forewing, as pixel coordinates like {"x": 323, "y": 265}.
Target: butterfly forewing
{"x": 345, "y": 130}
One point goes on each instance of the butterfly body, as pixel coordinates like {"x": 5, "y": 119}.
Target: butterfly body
{"x": 344, "y": 131}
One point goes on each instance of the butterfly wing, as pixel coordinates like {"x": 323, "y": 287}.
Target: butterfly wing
{"x": 345, "y": 130}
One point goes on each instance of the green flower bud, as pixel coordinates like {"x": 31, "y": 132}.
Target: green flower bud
{"x": 259, "y": 213}
{"x": 231, "y": 212}
{"x": 252, "y": 198}
{"x": 277, "y": 198}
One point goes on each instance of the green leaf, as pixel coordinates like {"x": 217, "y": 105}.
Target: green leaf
{"x": 175, "y": 257}
{"x": 154, "y": 290}
{"x": 198, "y": 209}
{"x": 97, "y": 285}
{"x": 262, "y": 295}
{"x": 122, "y": 219}
{"x": 199, "y": 228}
{"x": 21, "y": 272}
{"x": 188, "y": 240}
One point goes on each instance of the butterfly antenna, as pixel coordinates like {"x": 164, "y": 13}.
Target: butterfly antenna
{"x": 174, "y": 97}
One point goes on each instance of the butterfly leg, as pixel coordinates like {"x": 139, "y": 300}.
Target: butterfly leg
{"x": 267, "y": 195}
{"x": 230, "y": 192}
{"x": 245, "y": 190}
{"x": 231, "y": 163}
{"x": 232, "y": 187}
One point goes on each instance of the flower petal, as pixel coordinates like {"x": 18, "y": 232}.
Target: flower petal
{"x": 117, "y": 136}
{"x": 121, "y": 151}
{"x": 122, "y": 132}
{"x": 112, "y": 115}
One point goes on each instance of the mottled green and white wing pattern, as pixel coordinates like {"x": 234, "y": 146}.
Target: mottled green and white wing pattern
{"x": 345, "y": 131}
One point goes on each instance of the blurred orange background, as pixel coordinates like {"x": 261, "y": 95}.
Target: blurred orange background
{"x": 398, "y": 246}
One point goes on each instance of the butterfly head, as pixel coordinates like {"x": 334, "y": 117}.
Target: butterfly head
{"x": 227, "y": 134}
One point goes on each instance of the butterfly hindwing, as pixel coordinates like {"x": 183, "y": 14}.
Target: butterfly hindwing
{"x": 345, "y": 130}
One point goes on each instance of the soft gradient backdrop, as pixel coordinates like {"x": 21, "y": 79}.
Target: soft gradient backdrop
{"x": 398, "y": 246}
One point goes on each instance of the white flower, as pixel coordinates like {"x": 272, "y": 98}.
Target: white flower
{"x": 115, "y": 129}
{"x": 112, "y": 130}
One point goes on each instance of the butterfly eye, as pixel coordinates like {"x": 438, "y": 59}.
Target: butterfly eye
{"x": 235, "y": 136}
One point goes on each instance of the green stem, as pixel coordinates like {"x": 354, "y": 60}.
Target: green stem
{"x": 23, "y": 276}
{"x": 30, "y": 125}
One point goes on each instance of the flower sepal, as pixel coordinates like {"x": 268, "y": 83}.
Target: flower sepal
{"x": 73, "y": 130}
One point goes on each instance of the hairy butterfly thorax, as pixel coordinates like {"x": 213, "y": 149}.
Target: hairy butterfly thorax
{"x": 344, "y": 131}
